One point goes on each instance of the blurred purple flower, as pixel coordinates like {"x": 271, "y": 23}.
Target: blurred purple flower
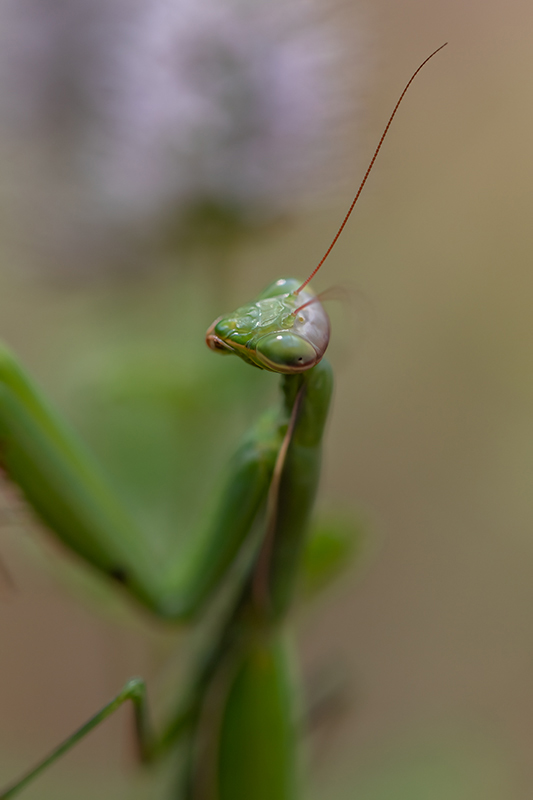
{"x": 120, "y": 116}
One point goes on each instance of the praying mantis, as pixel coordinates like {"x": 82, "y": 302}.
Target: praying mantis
{"x": 236, "y": 720}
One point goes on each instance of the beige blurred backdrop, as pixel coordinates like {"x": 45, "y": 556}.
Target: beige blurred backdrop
{"x": 430, "y": 441}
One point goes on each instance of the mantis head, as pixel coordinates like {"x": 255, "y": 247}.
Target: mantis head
{"x": 281, "y": 331}
{"x": 287, "y": 329}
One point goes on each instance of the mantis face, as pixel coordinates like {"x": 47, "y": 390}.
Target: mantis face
{"x": 286, "y": 329}
{"x": 281, "y": 331}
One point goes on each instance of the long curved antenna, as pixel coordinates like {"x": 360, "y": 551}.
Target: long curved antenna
{"x": 367, "y": 173}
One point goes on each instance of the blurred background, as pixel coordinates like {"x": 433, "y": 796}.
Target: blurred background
{"x": 161, "y": 163}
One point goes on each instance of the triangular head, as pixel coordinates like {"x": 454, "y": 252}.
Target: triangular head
{"x": 281, "y": 331}
{"x": 287, "y": 329}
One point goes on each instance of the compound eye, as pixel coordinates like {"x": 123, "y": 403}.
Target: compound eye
{"x": 285, "y": 352}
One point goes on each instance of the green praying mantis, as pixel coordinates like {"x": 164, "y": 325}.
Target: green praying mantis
{"x": 236, "y": 720}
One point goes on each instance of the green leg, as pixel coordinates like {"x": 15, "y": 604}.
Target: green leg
{"x": 66, "y": 489}
{"x": 134, "y": 690}
{"x": 182, "y": 723}
{"x": 150, "y": 746}
{"x": 67, "y": 492}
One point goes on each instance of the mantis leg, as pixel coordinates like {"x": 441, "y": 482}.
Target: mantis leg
{"x": 66, "y": 489}
{"x": 274, "y": 579}
{"x": 134, "y": 690}
{"x": 247, "y": 745}
{"x": 150, "y": 745}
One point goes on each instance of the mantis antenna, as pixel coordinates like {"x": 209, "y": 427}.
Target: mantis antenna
{"x": 367, "y": 173}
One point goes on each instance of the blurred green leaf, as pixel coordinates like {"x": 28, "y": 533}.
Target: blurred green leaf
{"x": 333, "y": 545}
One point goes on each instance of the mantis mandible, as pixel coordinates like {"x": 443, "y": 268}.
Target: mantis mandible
{"x": 235, "y": 720}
